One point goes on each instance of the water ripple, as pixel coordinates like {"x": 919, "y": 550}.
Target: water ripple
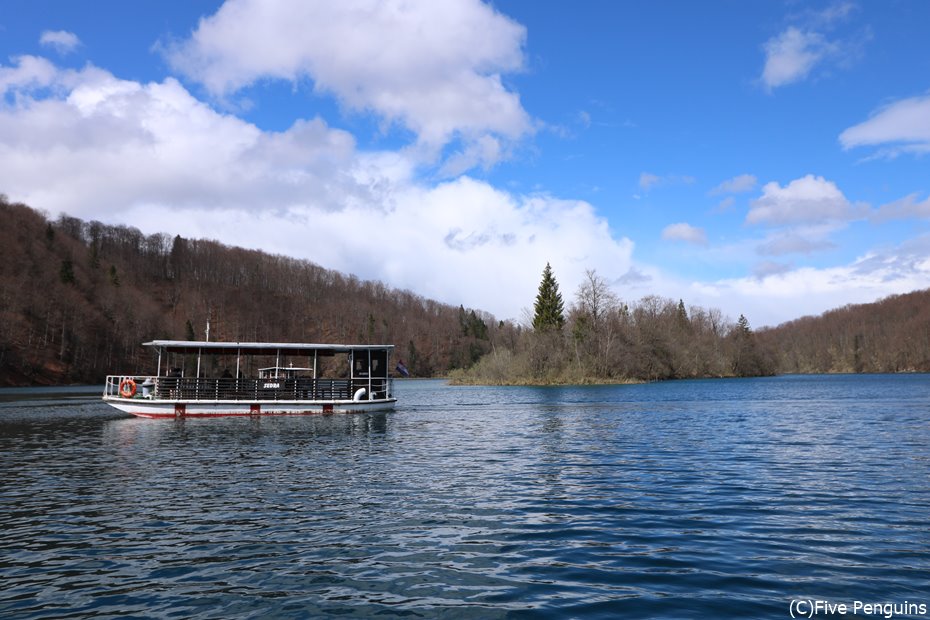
{"x": 685, "y": 499}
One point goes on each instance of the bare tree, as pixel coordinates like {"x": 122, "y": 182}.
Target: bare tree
{"x": 595, "y": 321}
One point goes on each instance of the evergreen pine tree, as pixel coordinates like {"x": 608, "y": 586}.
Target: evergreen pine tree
{"x": 549, "y": 307}
{"x": 114, "y": 277}
{"x": 66, "y": 273}
{"x": 94, "y": 256}
{"x": 681, "y": 316}
{"x": 748, "y": 361}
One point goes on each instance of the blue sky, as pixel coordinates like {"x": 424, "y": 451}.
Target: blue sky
{"x": 764, "y": 158}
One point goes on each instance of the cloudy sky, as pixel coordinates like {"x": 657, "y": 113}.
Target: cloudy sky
{"x": 766, "y": 158}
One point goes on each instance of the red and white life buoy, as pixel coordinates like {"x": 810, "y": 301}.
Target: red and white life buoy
{"x": 127, "y": 388}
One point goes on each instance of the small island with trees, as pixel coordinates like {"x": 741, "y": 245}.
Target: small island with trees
{"x": 600, "y": 339}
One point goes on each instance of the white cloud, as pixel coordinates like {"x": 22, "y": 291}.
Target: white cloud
{"x": 809, "y": 199}
{"x": 776, "y": 292}
{"x": 790, "y": 56}
{"x": 481, "y": 152}
{"x": 903, "y": 125}
{"x": 648, "y": 180}
{"x": 803, "y": 49}
{"x": 737, "y": 185}
{"x": 905, "y": 208}
{"x": 769, "y": 268}
{"x": 633, "y": 278}
{"x": 154, "y": 143}
{"x": 62, "y": 41}
{"x": 153, "y": 156}
{"x": 783, "y": 294}
{"x": 434, "y": 67}
{"x": 29, "y": 73}
{"x": 793, "y": 243}
{"x": 685, "y": 232}
{"x": 836, "y": 12}
{"x": 462, "y": 242}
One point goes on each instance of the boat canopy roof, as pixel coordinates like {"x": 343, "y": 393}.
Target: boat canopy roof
{"x": 259, "y": 348}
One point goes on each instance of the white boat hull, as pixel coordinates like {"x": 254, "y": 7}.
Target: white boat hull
{"x": 150, "y": 408}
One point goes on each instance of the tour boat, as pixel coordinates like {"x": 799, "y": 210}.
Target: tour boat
{"x": 205, "y": 379}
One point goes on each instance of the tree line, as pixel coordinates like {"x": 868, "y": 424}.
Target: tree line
{"x": 78, "y": 298}
{"x": 889, "y": 335}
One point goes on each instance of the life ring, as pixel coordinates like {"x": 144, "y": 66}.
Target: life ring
{"x": 127, "y": 388}
{"x": 359, "y": 394}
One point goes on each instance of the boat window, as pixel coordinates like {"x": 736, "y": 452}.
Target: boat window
{"x": 379, "y": 365}
{"x": 373, "y": 359}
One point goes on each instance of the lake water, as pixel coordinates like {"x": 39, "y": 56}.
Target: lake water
{"x": 689, "y": 499}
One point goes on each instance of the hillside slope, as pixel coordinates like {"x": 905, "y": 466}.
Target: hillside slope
{"x": 890, "y": 335}
{"x": 77, "y": 299}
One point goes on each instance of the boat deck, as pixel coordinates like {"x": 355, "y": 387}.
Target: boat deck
{"x": 251, "y": 390}
{"x": 288, "y": 380}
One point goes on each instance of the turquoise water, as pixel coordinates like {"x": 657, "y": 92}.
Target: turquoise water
{"x": 690, "y": 499}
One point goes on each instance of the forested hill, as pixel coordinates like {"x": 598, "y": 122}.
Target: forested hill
{"x": 77, "y": 299}
{"x": 891, "y": 335}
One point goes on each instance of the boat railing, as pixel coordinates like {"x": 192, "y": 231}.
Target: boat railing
{"x": 245, "y": 389}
